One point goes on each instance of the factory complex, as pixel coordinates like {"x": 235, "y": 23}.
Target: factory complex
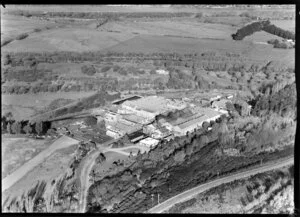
{"x": 138, "y": 119}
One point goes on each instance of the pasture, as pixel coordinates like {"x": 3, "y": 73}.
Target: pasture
{"x": 67, "y": 39}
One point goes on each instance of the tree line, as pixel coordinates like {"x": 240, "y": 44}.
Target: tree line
{"x": 98, "y": 15}
{"x": 259, "y": 26}
{"x": 12, "y": 126}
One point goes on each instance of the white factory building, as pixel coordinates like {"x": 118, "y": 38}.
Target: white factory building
{"x": 149, "y": 142}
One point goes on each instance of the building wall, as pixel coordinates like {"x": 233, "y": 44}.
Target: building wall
{"x": 113, "y": 134}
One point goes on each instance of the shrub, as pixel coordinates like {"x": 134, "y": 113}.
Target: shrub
{"x": 6, "y": 41}
{"x": 199, "y": 15}
{"x": 88, "y": 70}
{"x": 37, "y": 30}
{"x": 22, "y": 36}
{"x": 281, "y": 45}
{"x": 105, "y": 68}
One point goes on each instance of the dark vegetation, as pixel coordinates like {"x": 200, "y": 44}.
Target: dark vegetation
{"x": 277, "y": 44}
{"x": 24, "y": 67}
{"x": 88, "y": 70}
{"x": 279, "y": 98}
{"x": 11, "y": 126}
{"x": 22, "y": 36}
{"x": 259, "y": 26}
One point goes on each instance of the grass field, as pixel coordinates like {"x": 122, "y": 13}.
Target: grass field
{"x": 68, "y": 39}
{"x": 151, "y": 44}
{"x": 24, "y": 106}
{"x": 186, "y": 27}
{"x": 11, "y": 26}
{"x": 55, "y": 165}
{"x": 17, "y": 151}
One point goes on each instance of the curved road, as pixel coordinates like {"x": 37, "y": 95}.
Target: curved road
{"x": 84, "y": 178}
{"x": 88, "y": 165}
{"x": 186, "y": 195}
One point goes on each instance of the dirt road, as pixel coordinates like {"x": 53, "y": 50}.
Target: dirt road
{"x": 84, "y": 178}
{"x": 201, "y": 188}
{"x": 89, "y": 163}
{"x": 62, "y": 142}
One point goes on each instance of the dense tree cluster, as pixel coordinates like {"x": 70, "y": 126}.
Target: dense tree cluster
{"x": 249, "y": 29}
{"x": 274, "y": 30}
{"x": 265, "y": 26}
{"x": 11, "y": 126}
{"x": 281, "y": 100}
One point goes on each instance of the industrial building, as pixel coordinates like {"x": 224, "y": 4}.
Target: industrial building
{"x": 220, "y": 105}
{"x": 188, "y": 124}
{"x": 151, "y": 106}
{"x": 119, "y": 129}
{"x": 155, "y": 132}
{"x": 149, "y": 142}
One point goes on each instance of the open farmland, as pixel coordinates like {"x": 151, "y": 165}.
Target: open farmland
{"x": 167, "y": 44}
{"x": 186, "y": 27}
{"x": 67, "y": 39}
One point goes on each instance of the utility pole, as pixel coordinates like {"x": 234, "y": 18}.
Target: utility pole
{"x": 152, "y": 199}
{"x": 158, "y": 198}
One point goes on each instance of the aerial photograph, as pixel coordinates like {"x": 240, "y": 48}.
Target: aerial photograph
{"x": 148, "y": 108}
